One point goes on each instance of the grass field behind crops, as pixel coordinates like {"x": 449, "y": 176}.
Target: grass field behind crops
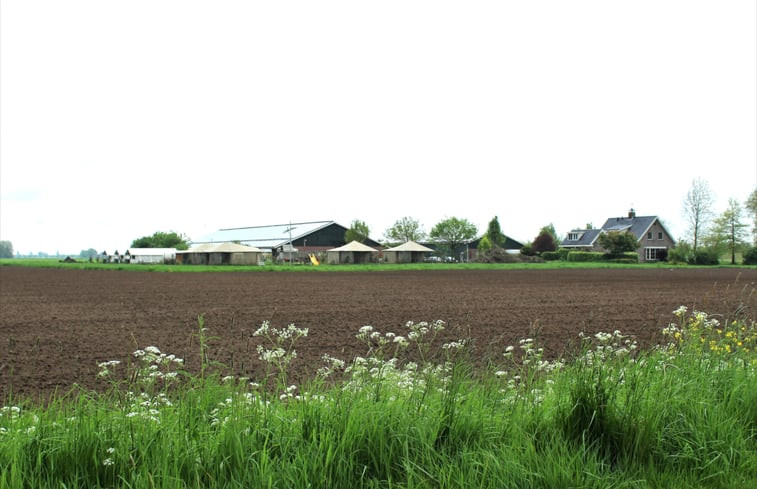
{"x": 678, "y": 416}
{"x": 551, "y": 265}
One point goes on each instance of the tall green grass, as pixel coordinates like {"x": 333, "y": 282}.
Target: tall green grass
{"x": 681, "y": 415}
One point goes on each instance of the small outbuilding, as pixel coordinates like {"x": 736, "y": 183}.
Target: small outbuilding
{"x": 410, "y": 252}
{"x": 221, "y": 254}
{"x": 149, "y": 255}
{"x": 352, "y": 252}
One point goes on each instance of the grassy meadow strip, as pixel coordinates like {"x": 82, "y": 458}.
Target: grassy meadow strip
{"x": 410, "y": 414}
{"x": 550, "y": 265}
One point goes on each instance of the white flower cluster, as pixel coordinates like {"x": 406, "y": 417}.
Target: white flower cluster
{"x": 695, "y": 324}
{"x": 419, "y": 330}
{"x": 235, "y": 408}
{"x": 155, "y": 366}
{"x": 608, "y": 345}
{"x": 105, "y": 368}
{"x": 107, "y": 462}
{"x": 375, "y": 340}
{"x": 13, "y": 420}
{"x": 291, "y": 332}
{"x": 332, "y": 365}
{"x": 279, "y": 351}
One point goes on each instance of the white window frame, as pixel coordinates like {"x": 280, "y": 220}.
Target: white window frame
{"x": 648, "y": 252}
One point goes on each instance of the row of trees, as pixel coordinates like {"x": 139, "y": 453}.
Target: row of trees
{"x": 713, "y": 235}
{"x": 451, "y": 232}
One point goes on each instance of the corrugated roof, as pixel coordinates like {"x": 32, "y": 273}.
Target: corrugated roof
{"x": 354, "y": 246}
{"x": 223, "y": 248}
{"x": 268, "y": 237}
{"x": 411, "y": 246}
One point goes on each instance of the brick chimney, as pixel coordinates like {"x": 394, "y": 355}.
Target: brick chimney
{"x": 631, "y": 213}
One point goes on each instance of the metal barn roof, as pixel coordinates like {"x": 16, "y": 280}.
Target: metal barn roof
{"x": 223, "y": 248}
{"x": 267, "y": 237}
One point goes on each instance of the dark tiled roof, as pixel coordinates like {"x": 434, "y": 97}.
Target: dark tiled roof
{"x": 586, "y": 238}
{"x": 637, "y": 225}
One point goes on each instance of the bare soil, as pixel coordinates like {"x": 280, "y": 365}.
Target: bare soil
{"x": 56, "y": 325}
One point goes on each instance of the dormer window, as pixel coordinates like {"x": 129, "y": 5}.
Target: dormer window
{"x": 574, "y": 236}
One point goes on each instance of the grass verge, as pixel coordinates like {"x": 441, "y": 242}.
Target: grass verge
{"x": 683, "y": 414}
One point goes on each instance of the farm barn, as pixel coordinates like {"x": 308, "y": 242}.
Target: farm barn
{"x": 150, "y": 255}
{"x": 221, "y": 254}
{"x": 286, "y": 241}
{"x": 410, "y": 252}
{"x": 352, "y": 252}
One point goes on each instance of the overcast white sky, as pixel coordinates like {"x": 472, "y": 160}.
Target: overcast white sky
{"x": 119, "y": 119}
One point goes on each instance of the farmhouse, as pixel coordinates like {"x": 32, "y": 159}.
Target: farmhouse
{"x": 410, "y": 252}
{"x": 653, "y": 239}
{"x": 221, "y": 254}
{"x": 293, "y": 240}
{"x": 352, "y": 252}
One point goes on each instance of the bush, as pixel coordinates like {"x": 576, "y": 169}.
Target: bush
{"x": 705, "y": 256}
{"x": 750, "y": 256}
{"x": 584, "y": 256}
{"x": 550, "y": 255}
{"x": 563, "y": 252}
{"x": 528, "y": 250}
{"x": 681, "y": 253}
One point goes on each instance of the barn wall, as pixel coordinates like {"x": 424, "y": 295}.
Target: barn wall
{"x": 196, "y": 258}
{"x": 244, "y": 258}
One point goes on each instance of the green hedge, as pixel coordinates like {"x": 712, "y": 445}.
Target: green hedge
{"x": 550, "y": 255}
{"x": 563, "y": 252}
{"x": 581, "y": 256}
{"x": 627, "y": 257}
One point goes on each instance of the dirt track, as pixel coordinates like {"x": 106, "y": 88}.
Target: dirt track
{"x": 55, "y": 325}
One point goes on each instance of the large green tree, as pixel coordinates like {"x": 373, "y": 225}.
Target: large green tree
{"x": 452, "y": 232}
{"x": 616, "y": 242}
{"x": 6, "y": 249}
{"x": 494, "y": 233}
{"x": 728, "y": 231}
{"x": 751, "y": 207}
{"x": 404, "y": 230}
{"x": 90, "y": 253}
{"x": 161, "y": 239}
{"x": 550, "y": 229}
{"x": 358, "y": 231}
{"x": 697, "y": 208}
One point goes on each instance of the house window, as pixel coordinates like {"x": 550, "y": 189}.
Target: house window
{"x": 653, "y": 254}
{"x": 649, "y": 235}
{"x": 573, "y": 236}
{"x": 659, "y": 235}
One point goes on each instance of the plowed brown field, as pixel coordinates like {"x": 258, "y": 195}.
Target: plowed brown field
{"x": 56, "y": 325}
